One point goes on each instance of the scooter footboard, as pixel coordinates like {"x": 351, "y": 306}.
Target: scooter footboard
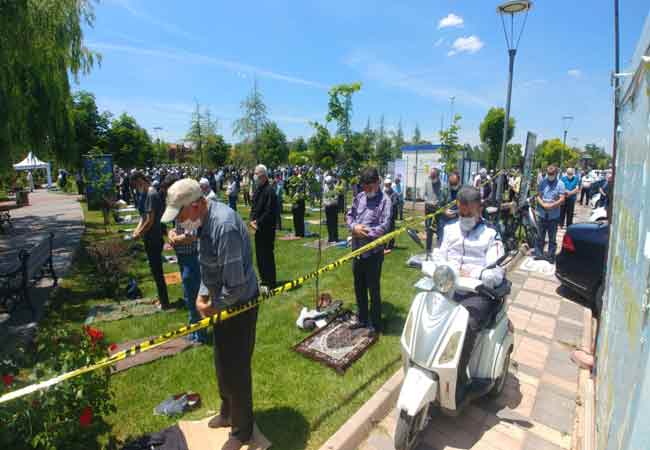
{"x": 418, "y": 390}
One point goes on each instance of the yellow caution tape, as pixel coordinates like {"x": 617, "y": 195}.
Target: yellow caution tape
{"x": 220, "y": 316}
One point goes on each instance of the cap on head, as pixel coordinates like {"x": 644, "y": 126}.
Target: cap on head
{"x": 483, "y": 171}
{"x": 204, "y": 182}
{"x": 180, "y": 194}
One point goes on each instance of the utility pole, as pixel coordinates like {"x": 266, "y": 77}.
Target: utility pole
{"x": 617, "y": 70}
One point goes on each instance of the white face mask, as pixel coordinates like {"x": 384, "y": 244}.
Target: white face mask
{"x": 371, "y": 194}
{"x": 551, "y": 177}
{"x": 191, "y": 225}
{"x": 255, "y": 178}
{"x": 467, "y": 224}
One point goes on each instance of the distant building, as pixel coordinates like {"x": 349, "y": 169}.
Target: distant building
{"x": 179, "y": 152}
{"x": 418, "y": 159}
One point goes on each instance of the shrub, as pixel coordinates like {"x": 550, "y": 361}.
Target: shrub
{"x": 110, "y": 261}
{"x": 67, "y": 415}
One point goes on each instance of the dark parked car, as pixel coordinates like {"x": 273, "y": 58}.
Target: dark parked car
{"x": 580, "y": 266}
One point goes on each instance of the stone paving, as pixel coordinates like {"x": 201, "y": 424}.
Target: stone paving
{"x": 48, "y": 212}
{"x": 537, "y": 409}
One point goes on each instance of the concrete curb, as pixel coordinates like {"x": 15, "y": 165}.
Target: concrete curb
{"x": 584, "y": 428}
{"x": 356, "y": 429}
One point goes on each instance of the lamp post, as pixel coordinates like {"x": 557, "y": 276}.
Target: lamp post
{"x": 508, "y": 10}
{"x": 566, "y": 122}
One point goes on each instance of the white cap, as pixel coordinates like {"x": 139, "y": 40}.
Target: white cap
{"x": 329, "y": 179}
{"x": 387, "y": 180}
{"x": 204, "y": 182}
{"x": 180, "y": 194}
{"x": 483, "y": 171}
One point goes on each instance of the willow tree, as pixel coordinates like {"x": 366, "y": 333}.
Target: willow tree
{"x": 41, "y": 46}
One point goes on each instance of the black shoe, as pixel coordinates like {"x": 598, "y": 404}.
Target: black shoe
{"x": 539, "y": 257}
{"x": 233, "y": 443}
{"x": 551, "y": 259}
{"x": 219, "y": 421}
{"x": 357, "y": 325}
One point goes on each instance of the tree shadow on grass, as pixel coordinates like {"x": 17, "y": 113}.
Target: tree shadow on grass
{"x": 284, "y": 426}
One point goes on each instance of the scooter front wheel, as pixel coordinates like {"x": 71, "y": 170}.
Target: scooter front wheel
{"x": 407, "y": 431}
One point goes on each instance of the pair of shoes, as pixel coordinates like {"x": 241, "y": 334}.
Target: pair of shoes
{"x": 539, "y": 258}
{"x": 234, "y": 443}
{"x": 219, "y": 421}
{"x": 550, "y": 259}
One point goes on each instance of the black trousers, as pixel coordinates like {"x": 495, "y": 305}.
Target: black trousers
{"x": 331, "y": 215}
{"x": 278, "y": 217}
{"x": 367, "y": 276}
{"x": 154, "y": 249}
{"x": 479, "y": 309}
{"x": 584, "y": 195}
{"x": 391, "y": 226}
{"x": 234, "y": 341}
{"x": 566, "y": 211}
{"x": 298, "y": 210}
{"x": 265, "y": 255}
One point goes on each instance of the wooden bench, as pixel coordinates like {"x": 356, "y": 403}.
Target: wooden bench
{"x": 31, "y": 267}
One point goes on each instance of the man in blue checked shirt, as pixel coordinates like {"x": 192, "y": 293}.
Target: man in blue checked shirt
{"x": 550, "y": 196}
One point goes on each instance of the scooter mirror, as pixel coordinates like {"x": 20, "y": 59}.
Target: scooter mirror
{"x": 414, "y": 236}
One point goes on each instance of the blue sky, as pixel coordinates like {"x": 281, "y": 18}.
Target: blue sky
{"x": 411, "y": 56}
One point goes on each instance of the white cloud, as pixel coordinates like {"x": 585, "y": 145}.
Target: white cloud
{"x": 452, "y": 20}
{"x": 439, "y": 42}
{"x": 469, "y": 44}
{"x": 238, "y": 68}
{"x": 534, "y": 83}
{"x": 391, "y": 75}
{"x": 575, "y": 73}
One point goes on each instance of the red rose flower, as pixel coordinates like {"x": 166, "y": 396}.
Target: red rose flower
{"x": 7, "y": 380}
{"x": 112, "y": 347}
{"x": 94, "y": 334}
{"x": 86, "y": 417}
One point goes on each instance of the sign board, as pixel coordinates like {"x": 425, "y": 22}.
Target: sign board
{"x": 531, "y": 143}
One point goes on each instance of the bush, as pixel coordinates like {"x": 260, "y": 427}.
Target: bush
{"x": 110, "y": 260}
{"x": 67, "y": 415}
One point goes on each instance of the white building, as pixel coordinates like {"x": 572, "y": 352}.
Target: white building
{"x": 416, "y": 164}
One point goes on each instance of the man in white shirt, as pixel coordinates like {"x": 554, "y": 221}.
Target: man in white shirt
{"x": 469, "y": 246}
{"x": 207, "y": 192}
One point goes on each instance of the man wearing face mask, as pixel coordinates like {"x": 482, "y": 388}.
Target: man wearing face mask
{"x": 432, "y": 201}
{"x": 469, "y": 246}
{"x": 227, "y": 279}
{"x": 263, "y": 220}
{"x": 151, "y": 230}
{"x": 550, "y": 196}
{"x": 572, "y": 186}
{"x": 368, "y": 219}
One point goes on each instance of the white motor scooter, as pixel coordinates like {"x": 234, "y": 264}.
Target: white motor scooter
{"x": 432, "y": 342}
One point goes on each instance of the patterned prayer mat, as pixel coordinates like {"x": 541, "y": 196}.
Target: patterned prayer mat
{"x": 336, "y": 345}
{"x": 167, "y": 349}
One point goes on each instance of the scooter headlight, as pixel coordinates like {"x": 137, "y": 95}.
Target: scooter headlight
{"x": 444, "y": 279}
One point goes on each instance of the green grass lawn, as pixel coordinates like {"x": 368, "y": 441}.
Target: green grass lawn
{"x": 298, "y": 403}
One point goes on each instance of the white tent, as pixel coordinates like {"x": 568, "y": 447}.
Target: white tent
{"x": 32, "y": 163}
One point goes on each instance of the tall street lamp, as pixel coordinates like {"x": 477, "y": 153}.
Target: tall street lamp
{"x": 566, "y": 123}
{"x": 508, "y": 10}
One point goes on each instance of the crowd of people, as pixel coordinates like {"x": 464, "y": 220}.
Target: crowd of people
{"x": 215, "y": 253}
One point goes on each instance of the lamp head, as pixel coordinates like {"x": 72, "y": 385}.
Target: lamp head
{"x": 514, "y": 6}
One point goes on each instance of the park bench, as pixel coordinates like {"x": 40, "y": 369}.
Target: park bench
{"x": 31, "y": 266}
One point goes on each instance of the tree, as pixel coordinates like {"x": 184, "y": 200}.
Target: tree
{"x": 417, "y": 136}
{"x": 514, "y": 156}
{"x": 599, "y": 158}
{"x": 129, "y": 143}
{"x": 254, "y": 118}
{"x": 90, "y": 127}
{"x": 298, "y": 145}
{"x": 273, "y": 149}
{"x": 241, "y": 155}
{"x": 42, "y": 45}
{"x": 492, "y": 134}
{"x": 322, "y": 147}
{"x": 398, "y": 140}
{"x": 216, "y": 150}
{"x": 202, "y": 128}
{"x": 450, "y": 146}
{"x": 550, "y": 152}
{"x": 383, "y": 148}
{"x": 340, "y": 111}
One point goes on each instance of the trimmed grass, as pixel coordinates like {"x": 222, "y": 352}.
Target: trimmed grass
{"x": 298, "y": 403}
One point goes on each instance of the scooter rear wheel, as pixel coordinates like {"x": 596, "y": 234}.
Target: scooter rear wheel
{"x": 500, "y": 383}
{"x": 407, "y": 431}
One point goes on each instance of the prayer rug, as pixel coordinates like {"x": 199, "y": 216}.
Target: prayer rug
{"x": 173, "y": 278}
{"x": 201, "y": 437}
{"x": 336, "y": 345}
{"x": 167, "y": 349}
{"x": 115, "y": 311}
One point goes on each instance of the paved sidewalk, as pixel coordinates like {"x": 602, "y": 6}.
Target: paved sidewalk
{"x": 48, "y": 212}
{"x": 537, "y": 409}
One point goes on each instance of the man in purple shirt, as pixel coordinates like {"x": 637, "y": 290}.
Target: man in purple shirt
{"x": 368, "y": 219}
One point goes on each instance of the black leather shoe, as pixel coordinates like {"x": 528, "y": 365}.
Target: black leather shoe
{"x": 357, "y": 325}
{"x": 233, "y": 443}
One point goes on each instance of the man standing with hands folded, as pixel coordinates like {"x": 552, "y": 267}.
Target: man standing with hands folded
{"x": 368, "y": 219}
{"x": 263, "y": 219}
{"x": 227, "y": 279}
